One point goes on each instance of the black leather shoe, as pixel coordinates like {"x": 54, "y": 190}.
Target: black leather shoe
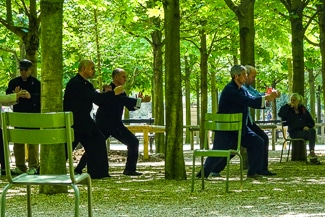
{"x": 266, "y": 173}
{"x": 198, "y": 175}
{"x": 131, "y": 173}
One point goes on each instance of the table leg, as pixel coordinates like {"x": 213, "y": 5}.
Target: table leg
{"x": 273, "y": 138}
{"x": 192, "y": 139}
{"x": 145, "y": 144}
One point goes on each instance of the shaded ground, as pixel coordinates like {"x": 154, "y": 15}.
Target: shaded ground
{"x": 297, "y": 190}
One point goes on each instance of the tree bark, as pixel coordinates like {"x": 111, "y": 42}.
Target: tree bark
{"x": 321, "y": 18}
{"x": 52, "y": 158}
{"x": 158, "y": 90}
{"x": 174, "y": 162}
{"x": 204, "y": 82}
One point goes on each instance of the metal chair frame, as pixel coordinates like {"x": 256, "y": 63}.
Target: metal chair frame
{"x": 45, "y": 129}
{"x": 219, "y": 122}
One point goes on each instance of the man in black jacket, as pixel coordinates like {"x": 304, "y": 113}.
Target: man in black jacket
{"x": 30, "y": 102}
{"x": 109, "y": 120}
{"x": 79, "y": 97}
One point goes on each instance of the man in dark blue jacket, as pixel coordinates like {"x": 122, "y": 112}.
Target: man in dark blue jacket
{"x": 235, "y": 99}
{"x": 79, "y": 97}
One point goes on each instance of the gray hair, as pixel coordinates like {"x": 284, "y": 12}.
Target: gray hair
{"x": 237, "y": 70}
{"x": 298, "y": 97}
{"x": 116, "y": 72}
{"x": 249, "y": 69}
{"x": 83, "y": 64}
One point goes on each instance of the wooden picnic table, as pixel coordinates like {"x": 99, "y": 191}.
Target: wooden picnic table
{"x": 146, "y": 129}
{"x": 273, "y": 125}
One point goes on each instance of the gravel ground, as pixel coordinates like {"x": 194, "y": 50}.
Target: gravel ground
{"x": 297, "y": 190}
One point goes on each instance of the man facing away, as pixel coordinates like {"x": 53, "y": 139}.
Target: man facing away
{"x": 79, "y": 97}
{"x": 30, "y": 103}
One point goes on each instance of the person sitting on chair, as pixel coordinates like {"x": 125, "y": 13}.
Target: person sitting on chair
{"x": 300, "y": 123}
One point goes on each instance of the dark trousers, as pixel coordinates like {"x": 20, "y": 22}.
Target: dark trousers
{"x": 224, "y": 141}
{"x": 256, "y": 129}
{"x": 309, "y": 135}
{"x": 95, "y": 156}
{"x": 125, "y": 136}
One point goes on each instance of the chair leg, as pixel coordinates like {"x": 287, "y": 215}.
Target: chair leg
{"x": 202, "y": 172}
{"x": 77, "y": 196}
{"x": 3, "y": 199}
{"x": 193, "y": 171}
{"x": 288, "y": 151}
{"x": 227, "y": 176}
{"x": 241, "y": 171}
{"x": 90, "y": 206}
{"x": 29, "y": 206}
{"x": 282, "y": 151}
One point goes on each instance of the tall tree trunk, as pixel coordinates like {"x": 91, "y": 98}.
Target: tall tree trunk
{"x": 245, "y": 14}
{"x": 187, "y": 98}
{"x": 204, "y": 83}
{"x": 321, "y": 18}
{"x": 174, "y": 161}
{"x": 290, "y": 75}
{"x": 297, "y": 44}
{"x": 98, "y": 53}
{"x": 31, "y": 39}
{"x": 295, "y": 9}
{"x": 158, "y": 90}
{"x": 52, "y": 159}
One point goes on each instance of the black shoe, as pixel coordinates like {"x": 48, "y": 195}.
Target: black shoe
{"x": 131, "y": 173}
{"x": 77, "y": 172}
{"x": 215, "y": 174}
{"x": 198, "y": 175}
{"x": 314, "y": 161}
{"x": 3, "y": 172}
{"x": 266, "y": 173}
{"x": 255, "y": 176}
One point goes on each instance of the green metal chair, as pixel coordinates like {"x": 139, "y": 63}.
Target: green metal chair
{"x": 45, "y": 129}
{"x": 288, "y": 140}
{"x": 219, "y": 122}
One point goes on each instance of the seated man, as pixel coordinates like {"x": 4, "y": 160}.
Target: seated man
{"x": 300, "y": 123}
{"x": 235, "y": 99}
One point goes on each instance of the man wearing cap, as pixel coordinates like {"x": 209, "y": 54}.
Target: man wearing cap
{"x": 30, "y": 103}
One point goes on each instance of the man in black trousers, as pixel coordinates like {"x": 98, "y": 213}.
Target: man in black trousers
{"x": 79, "y": 97}
{"x": 109, "y": 120}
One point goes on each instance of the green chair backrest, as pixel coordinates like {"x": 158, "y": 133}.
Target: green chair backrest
{"x": 222, "y": 122}
{"x": 37, "y": 128}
